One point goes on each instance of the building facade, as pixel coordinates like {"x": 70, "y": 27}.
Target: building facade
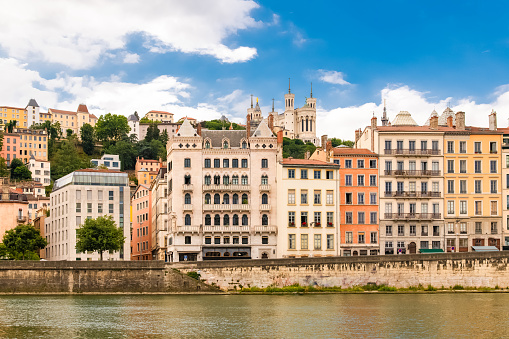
{"x": 83, "y": 194}
{"x": 41, "y": 171}
{"x": 161, "y": 116}
{"x": 141, "y": 236}
{"x": 146, "y": 170}
{"x": 221, "y": 194}
{"x": 308, "y": 208}
{"x": 10, "y": 147}
{"x": 33, "y": 142}
{"x": 160, "y": 215}
{"x": 13, "y": 208}
{"x": 110, "y": 161}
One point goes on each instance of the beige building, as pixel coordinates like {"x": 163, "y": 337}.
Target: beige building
{"x": 87, "y": 193}
{"x": 72, "y": 120}
{"x": 221, "y": 194}
{"x": 161, "y": 116}
{"x": 308, "y": 208}
{"x": 160, "y": 215}
{"x": 33, "y": 142}
{"x": 505, "y": 189}
{"x": 146, "y": 170}
{"x": 41, "y": 171}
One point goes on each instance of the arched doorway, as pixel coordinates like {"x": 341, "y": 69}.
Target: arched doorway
{"x": 412, "y": 248}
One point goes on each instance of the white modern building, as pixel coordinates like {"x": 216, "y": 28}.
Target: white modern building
{"x": 86, "y": 193}
{"x": 110, "y": 161}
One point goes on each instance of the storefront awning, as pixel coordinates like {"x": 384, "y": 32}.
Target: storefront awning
{"x": 485, "y": 249}
{"x": 431, "y": 250}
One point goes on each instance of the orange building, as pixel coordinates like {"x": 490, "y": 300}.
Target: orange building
{"x": 10, "y": 147}
{"x": 141, "y": 232}
{"x": 358, "y": 174}
{"x": 146, "y": 170}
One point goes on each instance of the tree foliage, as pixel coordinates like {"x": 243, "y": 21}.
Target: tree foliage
{"x": 23, "y": 242}
{"x": 111, "y": 127}
{"x": 87, "y": 138}
{"x": 126, "y": 151}
{"x": 4, "y": 172}
{"x": 218, "y": 125}
{"x": 338, "y": 142}
{"x": 296, "y": 148}
{"x": 68, "y": 159}
{"x": 15, "y": 163}
{"x": 152, "y": 132}
{"x": 100, "y": 234}
{"x": 22, "y": 173}
{"x": 9, "y": 127}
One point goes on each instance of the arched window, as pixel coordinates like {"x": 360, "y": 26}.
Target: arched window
{"x": 187, "y": 180}
{"x": 226, "y": 220}
{"x": 207, "y": 199}
{"x": 226, "y": 199}
{"x": 187, "y": 220}
{"x": 207, "y": 144}
{"x": 207, "y": 180}
{"x": 187, "y": 199}
{"x": 265, "y": 199}
{"x": 225, "y": 144}
{"x": 217, "y": 180}
{"x": 244, "y": 199}
{"x": 235, "y": 199}
{"x": 217, "y": 220}
{"x": 226, "y": 179}
{"x": 307, "y": 122}
{"x": 265, "y": 180}
{"x": 244, "y": 220}
{"x": 217, "y": 199}
{"x": 302, "y": 125}
{"x": 311, "y": 125}
{"x": 235, "y": 220}
{"x": 244, "y": 145}
{"x": 207, "y": 220}
{"x": 265, "y": 220}
{"x": 235, "y": 180}
{"x": 243, "y": 180}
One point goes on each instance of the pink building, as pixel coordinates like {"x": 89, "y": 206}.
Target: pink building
{"x": 10, "y": 147}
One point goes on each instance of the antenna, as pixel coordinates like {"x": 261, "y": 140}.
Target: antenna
{"x": 251, "y": 101}
{"x": 272, "y": 105}
{"x": 311, "y": 89}
{"x": 289, "y": 86}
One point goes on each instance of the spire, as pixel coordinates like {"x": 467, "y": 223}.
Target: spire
{"x": 289, "y": 92}
{"x": 272, "y": 105}
{"x": 251, "y": 101}
{"x": 384, "y": 116}
{"x": 311, "y": 90}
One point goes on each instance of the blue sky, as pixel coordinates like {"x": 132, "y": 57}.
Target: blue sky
{"x": 204, "y": 58}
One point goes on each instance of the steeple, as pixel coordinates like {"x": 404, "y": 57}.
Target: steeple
{"x": 289, "y": 92}
{"x": 251, "y": 101}
{"x": 311, "y": 90}
{"x": 384, "y": 116}
{"x": 272, "y": 105}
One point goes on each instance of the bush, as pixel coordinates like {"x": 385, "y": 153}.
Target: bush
{"x": 194, "y": 275}
{"x": 457, "y": 287}
{"x": 430, "y": 288}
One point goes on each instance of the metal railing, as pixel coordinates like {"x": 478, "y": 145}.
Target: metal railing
{"x": 412, "y": 216}
{"x": 226, "y": 207}
{"x": 405, "y": 151}
{"x": 226, "y": 187}
{"x": 413, "y": 173}
{"x": 408, "y": 194}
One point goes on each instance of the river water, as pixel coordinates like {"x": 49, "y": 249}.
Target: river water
{"x": 437, "y": 315}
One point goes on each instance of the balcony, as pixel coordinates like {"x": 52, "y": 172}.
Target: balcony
{"x": 265, "y": 207}
{"x": 187, "y": 187}
{"x": 187, "y": 207}
{"x": 226, "y": 229}
{"x": 188, "y": 229}
{"x": 265, "y": 187}
{"x": 412, "y": 216}
{"x": 407, "y": 194}
{"x": 21, "y": 219}
{"x": 226, "y": 207}
{"x": 264, "y": 229}
{"x": 412, "y": 152}
{"x": 413, "y": 173}
{"x": 226, "y": 188}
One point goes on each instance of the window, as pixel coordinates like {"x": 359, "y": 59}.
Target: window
{"x": 291, "y": 174}
{"x": 235, "y": 163}
{"x": 265, "y": 199}
{"x": 291, "y": 219}
{"x": 463, "y": 147}
{"x": 450, "y": 166}
{"x": 208, "y": 240}
{"x": 360, "y": 198}
{"x": 424, "y": 230}
{"x": 361, "y": 218}
{"x": 110, "y": 208}
{"x": 110, "y": 195}
{"x": 89, "y": 207}
{"x": 187, "y": 180}
{"x": 373, "y": 220}
{"x": 217, "y": 220}
{"x": 388, "y": 144}
{"x": 78, "y": 207}
{"x": 463, "y": 207}
{"x": 235, "y": 220}
{"x": 303, "y": 197}
{"x": 360, "y": 180}
{"x": 318, "y": 241}
{"x": 360, "y": 163}
{"x": 304, "y": 219}
{"x": 243, "y": 180}
{"x": 217, "y": 240}
{"x": 493, "y": 166}
{"x": 348, "y": 237}
{"x": 372, "y": 180}
{"x": 245, "y": 220}
{"x": 99, "y": 208}
{"x": 303, "y": 174}
{"x": 478, "y": 228}
{"x": 208, "y": 220}
{"x": 450, "y": 186}
{"x": 225, "y": 144}
{"x": 330, "y": 219}
{"x": 291, "y": 197}
{"x": 361, "y": 239}
{"x": 217, "y": 163}
{"x": 477, "y": 147}
{"x": 187, "y": 220}
{"x": 226, "y": 163}
{"x": 450, "y": 146}
{"x": 226, "y": 240}
{"x": 477, "y": 185}
{"x": 187, "y": 199}
{"x": 265, "y": 163}
{"x": 463, "y": 228}
{"x": 348, "y": 180}
{"x": 78, "y": 195}
{"x": 493, "y": 147}
{"x": 244, "y": 163}
{"x": 348, "y": 198}
{"x": 330, "y": 241}
{"x": 401, "y": 230}
{"x": 303, "y": 241}
{"x": 329, "y": 175}
{"x": 187, "y": 162}
{"x": 463, "y": 187}
{"x": 317, "y": 197}
{"x": 235, "y": 180}
{"x": 348, "y": 218}
{"x": 372, "y": 198}
{"x": 207, "y": 180}
{"x": 450, "y": 206}
{"x": 291, "y": 242}
{"x": 348, "y": 163}
{"x": 493, "y": 186}
{"x": 317, "y": 174}
{"x": 494, "y": 206}
{"x": 244, "y": 199}
{"x": 478, "y": 207}
{"x": 477, "y": 166}
{"x": 463, "y": 166}
{"x": 226, "y": 220}
{"x": 372, "y": 163}
{"x": 388, "y": 230}
{"x": 329, "y": 198}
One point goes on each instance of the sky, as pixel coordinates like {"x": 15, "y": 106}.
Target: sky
{"x": 205, "y": 58}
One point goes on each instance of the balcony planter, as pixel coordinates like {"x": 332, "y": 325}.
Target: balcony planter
{"x": 291, "y": 224}
{"x": 304, "y": 224}
{"x": 317, "y": 224}
{"x": 329, "y": 224}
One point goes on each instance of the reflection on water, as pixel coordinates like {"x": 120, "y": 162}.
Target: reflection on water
{"x": 282, "y": 316}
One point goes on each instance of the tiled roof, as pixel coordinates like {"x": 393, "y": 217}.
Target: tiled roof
{"x": 32, "y": 103}
{"x": 308, "y": 162}
{"x": 163, "y": 112}
{"x": 216, "y": 137}
{"x": 83, "y": 108}
{"x": 352, "y": 151}
{"x": 59, "y": 111}
{"x": 404, "y": 119}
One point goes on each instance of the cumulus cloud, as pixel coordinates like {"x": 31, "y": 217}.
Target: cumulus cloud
{"x": 131, "y": 58}
{"x": 78, "y": 33}
{"x": 341, "y": 122}
{"x": 332, "y": 77}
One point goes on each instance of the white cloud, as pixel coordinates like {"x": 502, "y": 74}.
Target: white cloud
{"x": 332, "y": 77}
{"x": 78, "y": 33}
{"x": 131, "y": 58}
{"x": 342, "y": 122}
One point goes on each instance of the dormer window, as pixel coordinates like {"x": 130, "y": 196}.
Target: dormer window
{"x": 225, "y": 144}
{"x": 244, "y": 145}
{"x": 207, "y": 144}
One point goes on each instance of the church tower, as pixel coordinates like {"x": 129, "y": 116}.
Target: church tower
{"x": 290, "y": 111}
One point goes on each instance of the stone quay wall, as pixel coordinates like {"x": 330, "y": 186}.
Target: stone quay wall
{"x": 95, "y": 277}
{"x": 488, "y": 269}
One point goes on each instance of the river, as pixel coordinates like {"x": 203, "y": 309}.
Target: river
{"x": 437, "y": 315}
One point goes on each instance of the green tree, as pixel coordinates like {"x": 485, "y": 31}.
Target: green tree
{"x": 15, "y": 163}
{"x": 335, "y": 142}
{"x": 152, "y": 132}
{"x": 111, "y": 127}
{"x": 23, "y": 242}
{"x": 22, "y": 173}
{"x": 4, "y": 172}
{"x": 126, "y": 151}
{"x": 154, "y": 149}
{"x": 296, "y": 148}
{"x": 87, "y": 138}
{"x": 68, "y": 159}
{"x": 10, "y": 126}
{"x": 136, "y": 115}
{"x": 101, "y": 235}
{"x": 218, "y": 125}
{"x": 69, "y": 132}
{"x": 164, "y": 137}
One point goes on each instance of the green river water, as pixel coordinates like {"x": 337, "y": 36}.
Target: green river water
{"x": 439, "y": 315}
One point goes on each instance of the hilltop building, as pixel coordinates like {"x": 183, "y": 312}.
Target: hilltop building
{"x": 110, "y": 161}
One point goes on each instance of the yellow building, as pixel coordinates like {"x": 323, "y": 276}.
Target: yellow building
{"x": 72, "y": 120}
{"x": 473, "y": 185}
{"x": 159, "y": 116}
{"x": 32, "y": 142}
{"x": 43, "y": 117}
{"x": 8, "y": 113}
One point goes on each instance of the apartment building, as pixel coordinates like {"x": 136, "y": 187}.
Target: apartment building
{"x": 110, "y": 161}
{"x": 24, "y": 117}
{"x": 10, "y": 147}
{"x": 159, "y": 189}
{"x": 41, "y": 170}
{"x": 161, "y": 116}
{"x": 141, "y": 231}
{"x": 505, "y": 188}
{"x": 13, "y": 207}
{"x": 86, "y": 193}
{"x": 221, "y": 194}
{"x": 358, "y": 177}
{"x": 146, "y": 170}
{"x": 33, "y": 142}
{"x": 72, "y": 120}
{"x": 308, "y": 208}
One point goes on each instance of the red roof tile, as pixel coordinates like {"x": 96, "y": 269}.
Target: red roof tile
{"x": 83, "y": 108}
{"x": 352, "y": 151}
{"x": 164, "y": 112}
{"x": 59, "y": 111}
{"x": 291, "y": 161}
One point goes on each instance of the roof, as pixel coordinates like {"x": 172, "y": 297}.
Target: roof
{"x": 307, "y": 162}
{"x": 353, "y": 151}
{"x": 133, "y": 117}
{"x": 404, "y": 119}
{"x": 188, "y": 118}
{"x": 186, "y": 130}
{"x": 216, "y": 137}
{"x": 95, "y": 170}
{"x": 32, "y": 103}
{"x": 53, "y": 110}
{"x": 414, "y": 129}
{"x": 485, "y": 249}
{"x": 83, "y": 108}
{"x": 147, "y": 160}
{"x": 263, "y": 131}
{"x": 163, "y": 112}
{"x": 13, "y": 107}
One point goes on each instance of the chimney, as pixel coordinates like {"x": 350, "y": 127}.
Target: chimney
{"x": 493, "y": 121}
{"x": 328, "y": 151}
{"x": 280, "y": 137}
{"x": 358, "y": 134}
{"x": 308, "y": 154}
{"x": 449, "y": 121}
{"x": 460, "y": 121}
{"x": 324, "y": 141}
{"x": 271, "y": 122}
{"x": 198, "y": 129}
{"x": 248, "y": 126}
{"x": 373, "y": 122}
{"x": 433, "y": 122}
